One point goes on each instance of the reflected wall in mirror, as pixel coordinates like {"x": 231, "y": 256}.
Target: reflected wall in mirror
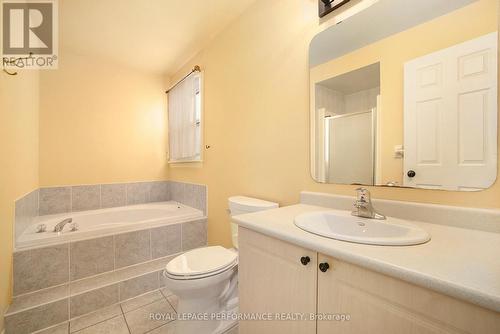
{"x": 405, "y": 94}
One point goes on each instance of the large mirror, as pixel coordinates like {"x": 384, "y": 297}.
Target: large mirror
{"x": 404, "y": 94}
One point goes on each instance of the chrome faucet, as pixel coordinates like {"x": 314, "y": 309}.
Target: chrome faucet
{"x": 59, "y": 227}
{"x": 363, "y": 205}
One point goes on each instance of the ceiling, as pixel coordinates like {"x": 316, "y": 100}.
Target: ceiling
{"x": 150, "y": 35}
{"x": 384, "y": 18}
{"x": 361, "y": 79}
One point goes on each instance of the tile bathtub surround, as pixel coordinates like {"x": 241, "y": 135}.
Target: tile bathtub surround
{"x": 128, "y": 317}
{"x": 40, "y": 268}
{"x": 83, "y": 296}
{"x": 132, "y": 248}
{"x": 93, "y": 300}
{"x": 194, "y": 234}
{"x": 50, "y": 266}
{"x": 91, "y": 257}
{"x": 193, "y": 195}
{"x": 26, "y": 209}
{"x": 113, "y": 195}
{"x": 38, "y": 318}
{"x": 166, "y": 240}
{"x": 85, "y": 198}
{"x": 138, "y": 193}
{"x": 159, "y": 192}
{"x": 54, "y": 200}
{"x": 90, "y": 197}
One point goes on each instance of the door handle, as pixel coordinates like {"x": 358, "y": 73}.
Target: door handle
{"x": 411, "y": 173}
{"x": 305, "y": 260}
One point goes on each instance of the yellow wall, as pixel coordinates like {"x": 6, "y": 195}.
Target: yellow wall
{"x": 101, "y": 123}
{"x": 257, "y": 115}
{"x": 18, "y": 161}
{"x": 392, "y": 53}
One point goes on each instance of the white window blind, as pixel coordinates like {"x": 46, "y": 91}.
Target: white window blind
{"x": 184, "y": 120}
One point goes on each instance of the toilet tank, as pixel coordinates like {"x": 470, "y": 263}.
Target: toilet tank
{"x": 239, "y": 205}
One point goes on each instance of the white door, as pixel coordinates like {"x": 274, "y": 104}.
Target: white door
{"x": 450, "y": 117}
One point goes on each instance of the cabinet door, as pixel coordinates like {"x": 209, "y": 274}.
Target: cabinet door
{"x": 272, "y": 280}
{"x": 377, "y": 303}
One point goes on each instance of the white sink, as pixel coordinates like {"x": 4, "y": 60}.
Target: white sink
{"x": 341, "y": 225}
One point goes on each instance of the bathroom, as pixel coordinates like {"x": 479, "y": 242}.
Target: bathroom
{"x": 303, "y": 139}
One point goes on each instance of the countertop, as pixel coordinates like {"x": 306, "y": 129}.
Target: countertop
{"x": 458, "y": 262}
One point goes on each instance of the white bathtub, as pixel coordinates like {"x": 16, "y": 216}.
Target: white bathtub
{"x": 96, "y": 223}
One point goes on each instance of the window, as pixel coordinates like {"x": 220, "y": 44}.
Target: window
{"x": 184, "y": 120}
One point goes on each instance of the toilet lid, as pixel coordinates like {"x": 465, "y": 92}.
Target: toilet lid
{"x": 201, "y": 261}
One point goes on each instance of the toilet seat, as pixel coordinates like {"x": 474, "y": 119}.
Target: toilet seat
{"x": 201, "y": 262}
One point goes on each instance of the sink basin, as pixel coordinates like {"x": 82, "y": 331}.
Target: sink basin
{"x": 341, "y": 225}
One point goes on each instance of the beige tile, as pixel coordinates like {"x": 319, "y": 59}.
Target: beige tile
{"x": 161, "y": 279}
{"x": 140, "y": 301}
{"x": 166, "y": 292}
{"x": 113, "y": 195}
{"x": 138, "y": 286}
{"x": 233, "y": 330}
{"x": 200, "y": 198}
{"x": 170, "y": 328}
{"x": 140, "y": 321}
{"x": 37, "y": 318}
{"x": 142, "y": 268}
{"x": 115, "y": 325}
{"x": 26, "y": 209}
{"x": 54, "y": 200}
{"x": 194, "y": 195}
{"x": 90, "y": 283}
{"x": 166, "y": 240}
{"x": 132, "y": 248}
{"x": 38, "y": 298}
{"x": 159, "y": 191}
{"x": 93, "y": 300}
{"x": 95, "y": 318}
{"x": 85, "y": 198}
{"x": 40, "y": 268}
{"x": 91, "y": 257}
{"x": 174, "y": 301}
{"x": 194, "y": 234}
{"x": 59, "y": 329}
{"x": 138, "y": 193}
{"x": 177, "y": 191}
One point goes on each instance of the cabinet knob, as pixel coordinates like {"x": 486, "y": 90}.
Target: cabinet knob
{"x": 305, "y": 260}
{"x": 411, "y": 173}
{"x": 324, "y": 267}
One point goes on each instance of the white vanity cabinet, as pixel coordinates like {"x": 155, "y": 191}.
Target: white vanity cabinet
{"x": 273, "y": 279}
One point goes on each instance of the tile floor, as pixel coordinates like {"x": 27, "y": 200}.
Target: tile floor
{"x": 129, "y": 317}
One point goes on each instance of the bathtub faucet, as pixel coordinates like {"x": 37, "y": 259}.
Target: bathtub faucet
{"x": 59, "y": 227}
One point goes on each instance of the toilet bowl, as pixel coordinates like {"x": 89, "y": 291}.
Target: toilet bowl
{"x": 206, "y": 279}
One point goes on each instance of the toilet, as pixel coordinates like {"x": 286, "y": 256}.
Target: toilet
{"x": 206, "y": 279}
